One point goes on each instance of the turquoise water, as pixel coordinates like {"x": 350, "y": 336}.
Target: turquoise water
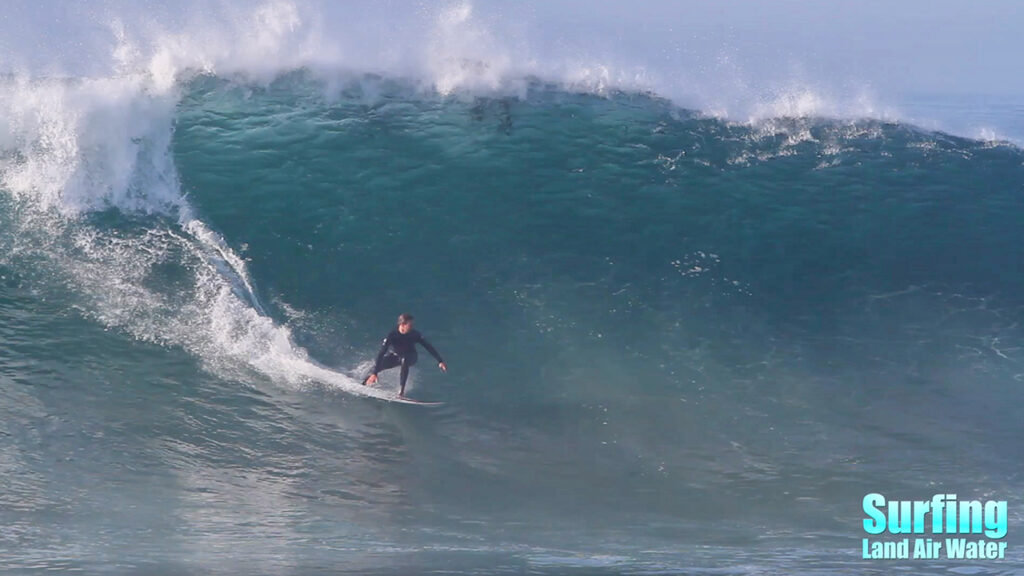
{"x": 677, "y": 344}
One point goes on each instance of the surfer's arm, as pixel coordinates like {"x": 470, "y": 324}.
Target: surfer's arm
{"x": 431, "y": 349}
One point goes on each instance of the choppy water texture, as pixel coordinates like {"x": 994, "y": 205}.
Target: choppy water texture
{"x": 677, "y": 344}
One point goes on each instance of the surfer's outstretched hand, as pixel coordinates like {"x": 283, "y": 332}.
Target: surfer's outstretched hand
{"x": 371, "y": 380}
{"x": 442, "y": 366}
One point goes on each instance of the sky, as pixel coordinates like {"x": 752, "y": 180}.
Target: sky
{"x": 728, "y": 57}
{"x": 936, "y": 46}
{"x": 906, "y": 46}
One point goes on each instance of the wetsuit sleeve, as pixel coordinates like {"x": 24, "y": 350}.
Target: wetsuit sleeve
{"x": 380, "y": 355}
{"x": 431, "y": 349}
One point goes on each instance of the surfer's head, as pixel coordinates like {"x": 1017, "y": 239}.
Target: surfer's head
{"x": 405, "y": 323}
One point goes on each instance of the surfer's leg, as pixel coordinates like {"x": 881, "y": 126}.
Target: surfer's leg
{"x": 407, "y": 362}
{"x": 389, "y": 361}
{"x": 405, "y": 376}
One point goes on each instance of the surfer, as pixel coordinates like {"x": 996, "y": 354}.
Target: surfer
{"x": 399, "y": 349}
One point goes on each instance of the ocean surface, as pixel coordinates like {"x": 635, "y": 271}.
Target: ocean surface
{"x": 677, "y": 343}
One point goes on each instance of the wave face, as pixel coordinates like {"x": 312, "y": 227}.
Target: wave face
{"x": 676, "y": 342}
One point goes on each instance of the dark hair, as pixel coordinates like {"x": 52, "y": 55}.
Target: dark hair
{"x": 405, "y": 318}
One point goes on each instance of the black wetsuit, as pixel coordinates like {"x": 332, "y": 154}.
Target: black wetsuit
{"x": 400, "y": 350}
